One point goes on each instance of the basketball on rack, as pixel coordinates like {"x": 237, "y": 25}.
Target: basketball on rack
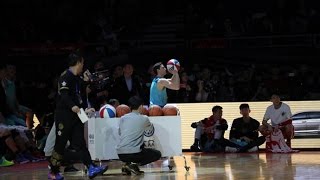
{"x": 107, "y": 111}
{"x": 170, "y": 110}
{"x": 145, "y": 111}
{"x": 155, "y": 110}
{"x": 122, "y": 109}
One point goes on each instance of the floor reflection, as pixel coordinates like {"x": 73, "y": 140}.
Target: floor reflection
{"x": 303, "y": 165}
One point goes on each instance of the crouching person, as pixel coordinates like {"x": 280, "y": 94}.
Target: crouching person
{"x": 131, "y": 130}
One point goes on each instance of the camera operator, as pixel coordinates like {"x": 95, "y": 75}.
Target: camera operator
{"x": 99, "y": 86}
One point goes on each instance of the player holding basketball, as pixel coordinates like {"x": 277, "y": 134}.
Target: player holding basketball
{"x": 158, "y": 92}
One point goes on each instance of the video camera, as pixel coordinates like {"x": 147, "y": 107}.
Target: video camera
{"x": 98, "y": 80}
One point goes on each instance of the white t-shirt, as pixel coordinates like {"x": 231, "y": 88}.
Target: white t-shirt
{"x": 278, "y": 116}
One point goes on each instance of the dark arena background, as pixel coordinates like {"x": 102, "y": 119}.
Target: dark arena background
{"x": 230, "y": 52}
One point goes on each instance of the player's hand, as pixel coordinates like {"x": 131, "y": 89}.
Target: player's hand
{"x": 172, "y": 71}
{"x": 90, "y": 110}
{"x": 75, "y": 109}
{"x": 86, "y": 75}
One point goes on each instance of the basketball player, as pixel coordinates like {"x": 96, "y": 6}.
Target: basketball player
{"x": 68, "y": 125}
{"x": 280, "y": 115}
{"x": 131, "y": 130}
{"x": 158, "y": 92}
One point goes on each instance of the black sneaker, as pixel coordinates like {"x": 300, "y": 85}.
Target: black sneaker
{"x": 125, "y": 171}
{"x": 132, "y": 168}
{"x": 195, "y": 148}
{"x": 70, "y": 169}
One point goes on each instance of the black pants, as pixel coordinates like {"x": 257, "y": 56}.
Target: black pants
{"x": 218, "y": 145}
{"x": 5, "y": 150}
{"x": 257, "y": 142}
{"x": 69, "y": 127}
{"x": 144, "y": 157}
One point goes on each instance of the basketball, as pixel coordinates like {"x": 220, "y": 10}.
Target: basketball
{"x": 144, "y": 111}
{"x": 122, "y": 109}
{"x": 169, "y": 110}
{"x": 173, "y": 65}
{"x": 107, "y": 111}
{"x": 155, "y": 110}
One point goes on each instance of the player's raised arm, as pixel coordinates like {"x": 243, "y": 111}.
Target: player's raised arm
{"x": 173, "y": 83}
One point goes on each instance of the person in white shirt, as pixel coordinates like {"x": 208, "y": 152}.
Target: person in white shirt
{"x": 280, "y": 115}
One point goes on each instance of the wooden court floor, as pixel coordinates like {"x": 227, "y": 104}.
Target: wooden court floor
{"x": 265, "y": 166}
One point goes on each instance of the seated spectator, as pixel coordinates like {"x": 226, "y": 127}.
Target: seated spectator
{"x": 6, "y": 158}
{"x": 19, "y": 115}
{"x": 244, "y": 131}
{"x": 12, "y": 148}
{"x": 3, "y": 103}
{"x": 209, "y": 132}
{"x": 280, "y": 115}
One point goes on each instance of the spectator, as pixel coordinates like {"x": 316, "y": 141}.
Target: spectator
{"x": 19, "y": 115}
{"x": 244, "y": 131}
{"x": 208, "y": 130}
{"x": 127, "y": 85}
{"x": 280, "y": 115}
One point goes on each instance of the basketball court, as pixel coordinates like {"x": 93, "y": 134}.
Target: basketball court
{"x": 303, "y": 165}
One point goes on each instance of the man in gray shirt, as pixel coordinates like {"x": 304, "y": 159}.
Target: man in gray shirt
{"x": 131, "y": 130}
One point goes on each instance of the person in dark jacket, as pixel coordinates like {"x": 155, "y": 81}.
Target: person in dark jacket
{"x": 244, "y": 131}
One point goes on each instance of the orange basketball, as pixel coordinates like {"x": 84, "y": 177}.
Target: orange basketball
{"x": 155, "y": 110}
{"x": 144, "y": 111}
{"x": 122, "y": 110}
{"x": 169, "y": 110}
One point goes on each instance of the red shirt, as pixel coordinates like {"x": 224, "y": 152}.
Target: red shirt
{"x": 211, "y": 122}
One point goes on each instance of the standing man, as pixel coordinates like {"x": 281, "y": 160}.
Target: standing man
{"x": 280, "y": 115}
{"x": 68, "y": 125}
{"x": 127, "y": 85}
{"x": 244, "y": 131}
{"x": 158, "y": 91}
{"x": 131, "y": 130}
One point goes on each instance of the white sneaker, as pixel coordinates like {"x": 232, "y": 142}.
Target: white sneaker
{"x": 231, "y": 149}
{"x": 254, "y": 149}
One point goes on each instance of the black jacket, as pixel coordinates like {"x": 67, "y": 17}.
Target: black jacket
{"x": 69, "y": 91}
{"x": 121, "y": 92}
{"x": 240, "y": 128}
